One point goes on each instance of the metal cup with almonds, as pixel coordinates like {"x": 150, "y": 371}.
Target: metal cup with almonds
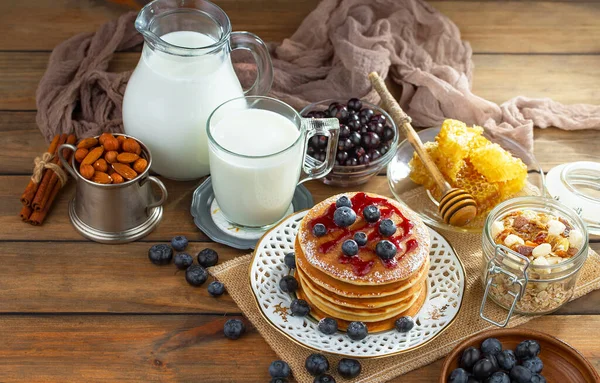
{"x": 456, "y": 207}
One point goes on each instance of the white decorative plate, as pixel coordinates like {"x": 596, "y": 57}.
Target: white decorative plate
{"x": 444, "y": 298}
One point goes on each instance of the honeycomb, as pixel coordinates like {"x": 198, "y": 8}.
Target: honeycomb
{"x": 471, "y": 162}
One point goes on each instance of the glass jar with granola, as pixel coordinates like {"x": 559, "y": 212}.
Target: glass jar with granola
{"x": 533, "y": 250}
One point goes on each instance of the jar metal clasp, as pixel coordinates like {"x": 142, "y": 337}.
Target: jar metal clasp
{"x": 514, "y": 266}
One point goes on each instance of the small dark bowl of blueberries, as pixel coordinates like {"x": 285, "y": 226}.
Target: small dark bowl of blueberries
{"x": 367, "y": 142}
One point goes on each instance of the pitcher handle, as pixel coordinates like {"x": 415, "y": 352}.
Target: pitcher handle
{"x": 329, "y": 127}
{"x": 61, "y": 155}
{"x": 264, "y": 66}
{"x": 163, "y": 191}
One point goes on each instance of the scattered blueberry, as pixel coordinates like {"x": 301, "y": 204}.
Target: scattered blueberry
{"x": 350, "y": 248}
{"x": 458, "y": 376}
{"x": 344, "y": 216}
{"x": 385, "y": 249}
{"x": 483, "y": 368}
{"x": 316, "y": 364}
{"x": 349, "y": 368}
{"x": 160, "y": 254}
{"x": 278, "y": 380}
{"x": 290, "y": 260}
{"x": 208, "y": 258}
{"x": 498, "y": 377}
{"x": 527, "y": 349}
{"x": 360, "y": 238}
{"x": 506, "y": 359}
{"x": 216, "y": 288}
{"x": 537, "y": 378}
{"x": 319, "y": 230}
{"x": 234, "y": 328}
{"x": 387, "y": 227}
{"x": 371, "y": 213}
{"x": 299, "y": 308}
{"x": 196, "y": 275}
{"x": 520, "y": 374}
{"x": 183, "y": 261}
{"x": 469, "y": 357}
{"x": 179, "y": 243}
{"x": 288, "y": 284}
{"x": 534, "y": 364}
{"x": 357, "y": 331}
{"x": 343, "y": 201}
{"x": 328, "y": 326}
{"x": 326, "y": 378}
{"x": 491, "y": 346}
{"x": 404, "y": 324}
{"x": 279, "y": 369}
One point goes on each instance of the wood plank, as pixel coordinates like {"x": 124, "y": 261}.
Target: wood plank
{"x": 490, "y": 26}
{"x": 178, "y": 349}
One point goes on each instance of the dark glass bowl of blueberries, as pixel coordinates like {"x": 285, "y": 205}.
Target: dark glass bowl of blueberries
{"x": 367, "y": 142}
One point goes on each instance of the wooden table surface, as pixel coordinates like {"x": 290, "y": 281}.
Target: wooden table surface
{"x": 76, "y": 311}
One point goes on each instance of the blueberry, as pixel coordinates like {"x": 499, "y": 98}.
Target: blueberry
{"x": 343, "y": 201}
{"x": 234, "y": 328}
{"x": 379, "y": 118}
{"x": 319, "y": 230}
{"x": 387, "y": 227}
{"x": 357, "y": 331}
{"x": 341, "y": 156}
{"x": 527, "y": 349}
{"x": 160, "y": 254}
{"x": 279, "y": 369}
{"x": 534, "y": 364}
{"x": 458, "y": 376}
{"x": 388, "y": 134}
{"x": 404, "y": 324}
{"x": 491, "y": 346}
{"x": 376, "y": 128}
{"x": 492, "y": 358}
{"x": 371, "y": 213}
{"x": 278, "y": 380}
{"x": 316, "y": 364}
{"x": 506, "y": 359}
{"x": 537, "y": 378}
{"x": 359, "y": 152}
{"x": 344, "y": 216}
{"x": 364, "y": 160}
{"x": 208, "y": 258}
{"x": 216, "y": 288}
{"x": 179, "y": 243}
{"x": 349, "y": 368}
{"x": 288, "y": 284}
{"x": 472, "y": 380}
{"x": 355, "y": 104}
{"x": 366, "y": 112}
{"x": 351, "y": 162}
{"x": 498, "y": 377}
{"x": 483, "y": 368}
{"x": 183, "y": 261}
{"x": 299, "y": 308}
{"x": 370, "y": 140}
{"x": 355, "y": 138}
{"x": 353, "y": 124}
{"x": 520, "y": 374}
{"x": 290, "y": 260}
{"x": 340, "y": 112}
{"x": 374, "y": 154}
{"x": 469, "y": 357}
{"x": 350, "y": 248}
{"x": 196, "y": 275}
{"x": 326, "y": 378}
{"x": 345, "y": 144}
{"x": 360, "y": 238}
{"x": 344, "y": 131}
{"x": 385, "y": 249}
{"x": 328, "y": 326}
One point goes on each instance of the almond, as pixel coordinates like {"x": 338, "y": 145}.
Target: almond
{"x": 80, "y": 154}
{"x": 117, "y": 178}
{"x": 111, "y": 143}
{"x": 124, "y": 170}
{"x": 93, "y": 155}
{"x": 132, "y": 146}
{"x": 140, "y": 165}
{"x": 101, "y": 178}
{"x": 104, "y": 136}
{"x": 111, "y": 157}
{"x": 87, "y": 143}
{"x": 101, "y": 165}
{"x": 127, "y": 158}
{"x": 86, "y": 171}
{"x": 121, "y": 139}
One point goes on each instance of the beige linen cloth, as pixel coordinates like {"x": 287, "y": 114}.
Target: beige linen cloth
{"x": 329, "y": 56}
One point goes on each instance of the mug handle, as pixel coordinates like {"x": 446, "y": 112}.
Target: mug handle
{"x": 61, "y": 155}
{"x": 264, "y": 66}
{"x": 329, "y": 127}
{"x": 163, "y": 191}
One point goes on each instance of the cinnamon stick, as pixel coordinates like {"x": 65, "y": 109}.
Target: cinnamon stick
{"x": 32, "y": 187}
{"x": 54, "y": 178}
{"x": 25, "y": 213}
{"x": 44, "y": 188}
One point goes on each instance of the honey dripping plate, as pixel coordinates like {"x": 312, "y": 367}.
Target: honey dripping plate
{"x": 417, "y": 198}
{"x": 445, "y": 291}
{"x": 562, "y": 363}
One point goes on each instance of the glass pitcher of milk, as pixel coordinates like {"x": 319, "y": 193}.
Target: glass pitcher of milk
{"x": 184, "y": 73}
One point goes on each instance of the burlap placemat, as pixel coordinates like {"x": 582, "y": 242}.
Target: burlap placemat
{"x": 234, "y": 274}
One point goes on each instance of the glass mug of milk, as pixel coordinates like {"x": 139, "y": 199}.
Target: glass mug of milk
{"x": 184, "y": 73}
{"x": 257, "y": 151}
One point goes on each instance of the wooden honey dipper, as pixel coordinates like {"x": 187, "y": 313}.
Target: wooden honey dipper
{"x": 456, "y": 207}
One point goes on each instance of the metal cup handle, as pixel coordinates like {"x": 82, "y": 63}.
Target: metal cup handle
{"x": 163, "y": 191}
{"x": 64, "y": 161}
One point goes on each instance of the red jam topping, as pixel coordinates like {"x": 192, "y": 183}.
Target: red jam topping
{"x": 359, "y": 267}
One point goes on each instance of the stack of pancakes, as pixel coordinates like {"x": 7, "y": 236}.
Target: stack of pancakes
{"x": 362, "y": 288}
